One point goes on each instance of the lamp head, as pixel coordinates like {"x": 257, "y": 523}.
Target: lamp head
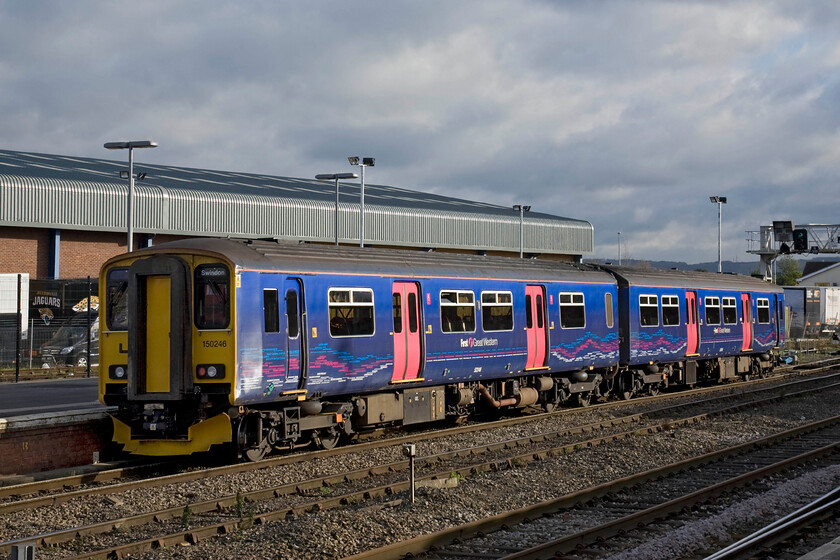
{"x": 354, "y": 160}
{"x": 369, "y": 161}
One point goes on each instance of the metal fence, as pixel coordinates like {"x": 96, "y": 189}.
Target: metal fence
{"x": 48, "y": 323}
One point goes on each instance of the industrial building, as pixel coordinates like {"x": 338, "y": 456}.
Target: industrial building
{"x": 62, "y": 216}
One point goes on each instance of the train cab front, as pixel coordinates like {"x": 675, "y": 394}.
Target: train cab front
{"x": 167, "y": 352}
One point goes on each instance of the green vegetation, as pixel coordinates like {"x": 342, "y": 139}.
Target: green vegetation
{"x": 787, "y": 271}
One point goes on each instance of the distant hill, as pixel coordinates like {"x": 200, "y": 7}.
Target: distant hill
{"x": 745, "y": 268}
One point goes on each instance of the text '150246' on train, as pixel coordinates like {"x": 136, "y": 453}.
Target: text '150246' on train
{"x": 262, "y": 345}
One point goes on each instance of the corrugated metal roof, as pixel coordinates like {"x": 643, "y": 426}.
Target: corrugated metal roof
{"x": 41, "y": 190}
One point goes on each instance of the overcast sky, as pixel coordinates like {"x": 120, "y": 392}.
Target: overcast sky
{"x": 626, "y": 114}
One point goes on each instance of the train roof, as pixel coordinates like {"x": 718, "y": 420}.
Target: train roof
{"x": 310, "y": 258}
{"x": 688, "y": 279}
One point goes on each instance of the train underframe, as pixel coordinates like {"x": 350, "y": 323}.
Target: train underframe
{"x": 325, "y": 424}
{"x": 196, "y": 423}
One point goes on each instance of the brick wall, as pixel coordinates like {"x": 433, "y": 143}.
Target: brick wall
{"x": 82, "y": 253}
{"x": 36, "y": 449}
{"x": 24, "y": 251}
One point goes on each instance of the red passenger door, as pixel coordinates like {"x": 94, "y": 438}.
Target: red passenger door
{"x": 746, "y": 326}
{"x": 407, "y": 341}
{"x": 296, "y": 359}
{"x": 693, "y": 332}
{"x": 535, "y": 326}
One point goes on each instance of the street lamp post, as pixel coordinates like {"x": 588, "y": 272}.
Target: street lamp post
{"x": 720, "y": 201}
{"x": 336, "y": 177}
{"x": 365, "y": 162}
{"x": 522, "y": 209}
{"x": 130, "y": 146}
{"x": 619, "y": 248}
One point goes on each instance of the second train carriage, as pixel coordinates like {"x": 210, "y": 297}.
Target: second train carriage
{"x": 263, "y": 344}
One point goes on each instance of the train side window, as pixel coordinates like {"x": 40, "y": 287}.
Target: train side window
{"x": 730, "y": 311}
{"x": 496, "y": 311}
{"x": 712, "y": 305}
{"x": 572, "y": 310}
{"x": 117, "y": 290}
{"x": 608, "y": 306}
{"x": 351, "y": 311}
{"x": 271, "y": 311}
{"x": 457, "y": 311}
{"x": 212, "y": 296}
{"x": 292, "y": 313}
{"x": 649, "y": 310}
{"x": 763, "y": 306}
{"x": 670, "y": 310}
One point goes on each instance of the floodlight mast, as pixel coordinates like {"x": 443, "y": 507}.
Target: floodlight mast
{"x": 336, "y": 177}
{"x": 365, "y": 162}
{"x": 720, "y": 201}
{"x": 522, "y": 209}
{"x": 130, "y": 147}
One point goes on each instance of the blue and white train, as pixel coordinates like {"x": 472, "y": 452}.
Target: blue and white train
{"x": 261, "y": 344}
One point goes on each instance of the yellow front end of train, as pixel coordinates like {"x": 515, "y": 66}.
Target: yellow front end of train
{"x": 167, "y": 350}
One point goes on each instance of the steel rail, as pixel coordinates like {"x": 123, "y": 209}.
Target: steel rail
{"x": 227, "y": 502}
{"x": 781, "y": 529}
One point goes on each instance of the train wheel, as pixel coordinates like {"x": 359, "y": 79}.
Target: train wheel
{"x": 250, "y": 438}
{"x": 626, "y": 386}
{"x": 326, "y": 438}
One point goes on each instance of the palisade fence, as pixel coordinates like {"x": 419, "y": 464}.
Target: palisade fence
{"x": 48, "y": 323}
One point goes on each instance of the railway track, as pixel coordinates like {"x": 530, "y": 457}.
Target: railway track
{"x": 627, "y": 507}
{"x": 166, "y": 471}
{"x": 231, "y": 512}
{"x": 55, "y": 491}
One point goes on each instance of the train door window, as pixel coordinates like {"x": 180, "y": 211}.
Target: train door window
{"x": 117, "y": 290}
{"x": 271, "y": 310}
{"x": 396, "y": 303}
{"x": 212, "y": 296}
{"x": 496, "y": 311}
{"x": 572, "y": 310}
{"x": 763, "y": 306}
{"x": 413, "y": 323}
{"x": 457, "y": 311}
{"x": 351, "y": 311}
{"x": 540, "y": 317}
{"x": 712, "y": 305}
{"x": 292, "y": 313}
{"x": 649, "y": 310}
{"x": 730, "y": 311}
{"x": 608, "y": 307}
{"x": 529, "y": 318}
{"x": 670, "y": 310}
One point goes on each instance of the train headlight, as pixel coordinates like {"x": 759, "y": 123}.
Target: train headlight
{"x": 212, "y": 371}
{"x": 117, "y": 372}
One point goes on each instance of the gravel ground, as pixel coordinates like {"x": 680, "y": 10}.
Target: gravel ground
{"x": 358, "y": 527}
